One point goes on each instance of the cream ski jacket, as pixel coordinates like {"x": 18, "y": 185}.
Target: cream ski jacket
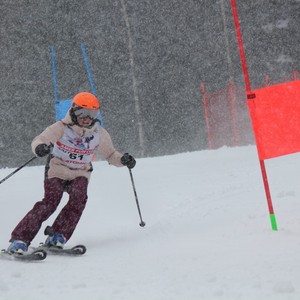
{"x": 74, "y": 147}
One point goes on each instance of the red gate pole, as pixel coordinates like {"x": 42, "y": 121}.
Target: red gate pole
{"x": 206, "y": 116}
{"x": 248, "y": 90}
{"x": 266, "y": 80}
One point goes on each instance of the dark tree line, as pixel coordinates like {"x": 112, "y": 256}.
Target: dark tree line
{"x": 147, "y": 58}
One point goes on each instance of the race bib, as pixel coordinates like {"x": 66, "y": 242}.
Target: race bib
{"x": 76, "y": 151}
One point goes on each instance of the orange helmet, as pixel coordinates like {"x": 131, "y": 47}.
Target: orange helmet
{"x": 86, "y": 100}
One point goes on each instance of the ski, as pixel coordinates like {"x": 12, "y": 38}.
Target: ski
{"x": 36, "y": 255}
{"x": 74, "y": 251}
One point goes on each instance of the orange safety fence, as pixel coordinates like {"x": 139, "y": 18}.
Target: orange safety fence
{"x": 227, "y": 117}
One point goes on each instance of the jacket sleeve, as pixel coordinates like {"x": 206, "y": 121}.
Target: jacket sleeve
{"x": 107, "y": 149}
{"x": 49, "y": 136}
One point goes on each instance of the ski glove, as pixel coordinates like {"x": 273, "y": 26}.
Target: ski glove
{"x": 128, "y": 161}
{"x": 42, "y": 150}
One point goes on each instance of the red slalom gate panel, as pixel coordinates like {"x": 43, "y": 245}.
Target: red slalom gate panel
{"x": 275, "y": 116}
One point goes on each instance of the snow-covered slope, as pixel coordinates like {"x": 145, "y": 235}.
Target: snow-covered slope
{"x": 207, "y": 233}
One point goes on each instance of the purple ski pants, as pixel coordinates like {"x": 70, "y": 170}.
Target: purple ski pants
{"x": 67, "y": 219}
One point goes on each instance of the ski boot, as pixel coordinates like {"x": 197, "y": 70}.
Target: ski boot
{"x": 17, "y": 247}
{"x": 57, "y": 240}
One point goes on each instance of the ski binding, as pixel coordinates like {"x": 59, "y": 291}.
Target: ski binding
{"x": 36, "y": 255}
{"x": 74, "y": 251}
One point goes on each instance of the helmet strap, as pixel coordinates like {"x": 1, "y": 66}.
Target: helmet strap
{"x": 73, "y": 116}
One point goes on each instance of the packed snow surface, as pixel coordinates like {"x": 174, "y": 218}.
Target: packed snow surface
{"x": 207, "y": 236}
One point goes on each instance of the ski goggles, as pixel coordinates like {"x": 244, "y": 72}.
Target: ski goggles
{"x": 84, "y": 113}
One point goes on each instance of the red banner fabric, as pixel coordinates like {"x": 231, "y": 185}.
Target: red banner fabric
{"x": 275, "y": 116}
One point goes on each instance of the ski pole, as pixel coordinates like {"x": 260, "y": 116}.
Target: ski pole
{"x": 15, "y": 171}
{"x": 142, "y": 223}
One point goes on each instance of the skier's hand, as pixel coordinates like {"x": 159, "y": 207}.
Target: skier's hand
{"x": 42, "y": 150}
{"x": 128, "y": 161}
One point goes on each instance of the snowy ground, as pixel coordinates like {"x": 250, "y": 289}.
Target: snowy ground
{"x": 207, "y": 234}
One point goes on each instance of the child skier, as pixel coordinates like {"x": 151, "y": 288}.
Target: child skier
{"x": 70, "y": 145}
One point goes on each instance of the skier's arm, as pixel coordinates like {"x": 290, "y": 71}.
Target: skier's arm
{"x": 49, "y": 136}
{"x": 108, "y": 151}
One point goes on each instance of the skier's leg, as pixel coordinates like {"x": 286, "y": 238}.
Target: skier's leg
{"x": 68, "y": 218}
{"x": 29, "y": 226}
